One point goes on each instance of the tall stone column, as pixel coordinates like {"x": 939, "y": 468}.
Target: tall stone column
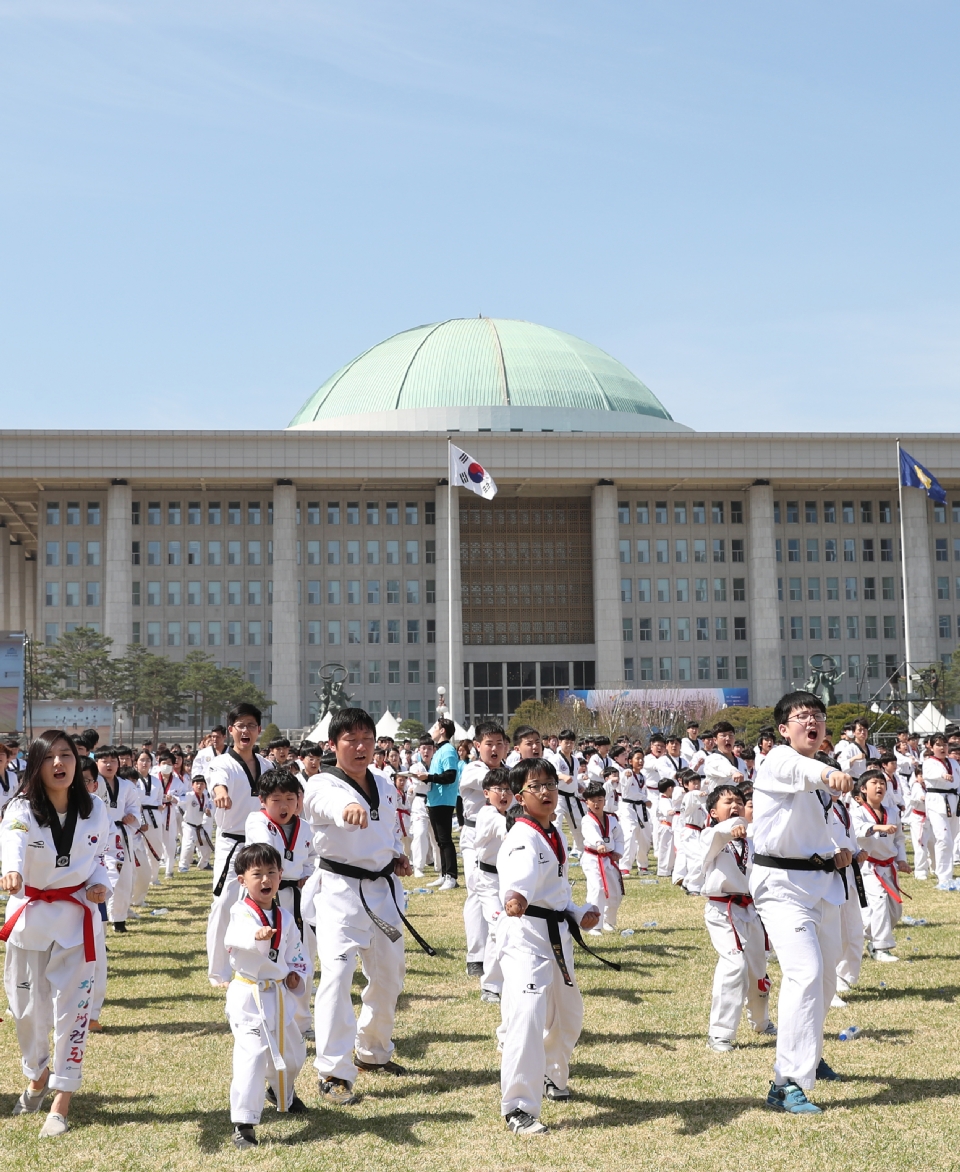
{"x": 449, "y": 638}
{"x": 4, "y": 578}
{"x": 118, "y": 568}
{"x": 922, "y": 635}
{"x": 30, "y": 598}
{"x": 766, "y": 685}
{"x": 16, "y": 618}
{"x": 285, "y": 690}
{"x": 607, "y": 610}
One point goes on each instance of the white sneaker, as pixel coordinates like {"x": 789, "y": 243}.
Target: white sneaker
{"x": 842, "y": 985}
{"x": 838, "y": 1003}
{"x": 608, "y": 928}
{"x": 449, "y": 883}
{"x": 440, "y": 879}
{"x": 721, "y": 1045}
{"x": 594, "y": 932}
{"x": 418, "y": 874}
{"x": 884, "y": 955}
{"x": 54, "y": 1125}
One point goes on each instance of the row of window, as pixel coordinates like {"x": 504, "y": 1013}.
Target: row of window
{"x": 856, "y": 670}
{"x": 850, "y": 589}
{"x": 697, "y": 513}
{"x": 376, "y": 628}
{"x": 848, "y": 512}
{"x": 814, "y": 625}
{"x": 681, "y": 550}
{"x": 832, "y": 547}
{"x": 391, "y": 596}
{"x": 664, "y": 668}
{"x": 667, "y": 626}
{"x": 944, "y": 625}
{"x": 681, "y": 590}
{"x": 71, "y": 593}
{"x": 175, "y": 514}
{"x": 375, "y": 673}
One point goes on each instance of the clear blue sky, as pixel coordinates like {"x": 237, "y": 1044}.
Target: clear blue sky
{"x": 206, "y": 208}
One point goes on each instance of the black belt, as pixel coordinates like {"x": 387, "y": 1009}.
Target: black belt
{"x": 488, "y": 868}
{"x": 567, "y": 798}
{"x": 202, "y": 834}
{"x": 294, "y": 886}
{"x": 122, "y": 826}
{"x": 153, "y": 817}
{"x": 554, "y": 920}
{"x": 644, "y": 816}
{"x": 951, "y": 793}
{"x": 814, "y": 863}
{"x": 388, "y": 930}
{"x": 471, "y": 822}
{"x": 238, "y": 840}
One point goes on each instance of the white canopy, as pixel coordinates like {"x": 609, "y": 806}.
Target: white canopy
{"x": 387, "y": 725}
{"x": 931, "y": 720}
{"x": 318, "y": 733}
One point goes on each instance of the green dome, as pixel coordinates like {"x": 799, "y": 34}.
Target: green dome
{"x": 483, "y": 363}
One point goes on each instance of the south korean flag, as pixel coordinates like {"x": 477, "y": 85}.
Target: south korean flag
{"x": 465, "y": 472}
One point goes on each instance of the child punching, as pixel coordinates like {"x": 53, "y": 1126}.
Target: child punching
{"x": 602, "y": 851}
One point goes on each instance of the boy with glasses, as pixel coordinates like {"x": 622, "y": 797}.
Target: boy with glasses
{"x": 797, "y": 891}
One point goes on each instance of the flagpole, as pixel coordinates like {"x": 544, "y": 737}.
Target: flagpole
{"x": 906, "y": 596}
{"x": 451, "y": 683}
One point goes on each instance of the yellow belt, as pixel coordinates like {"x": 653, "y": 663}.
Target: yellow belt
{"x": 275, "y": 1045}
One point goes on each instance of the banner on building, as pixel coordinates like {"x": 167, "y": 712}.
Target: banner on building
{"x": 74, "y": 716}
{"x": 662, "y": 697}
{"x": 11, "y": 681}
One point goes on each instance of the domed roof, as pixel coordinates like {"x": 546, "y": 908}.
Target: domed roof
{"x": 472, "y": 373}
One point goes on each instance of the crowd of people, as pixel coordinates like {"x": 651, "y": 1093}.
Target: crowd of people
{"x": 794, "y": 844}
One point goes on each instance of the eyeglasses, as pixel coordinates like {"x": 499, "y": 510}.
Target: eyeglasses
{"x": 807, "y": 718}
{"x": 246, "y": 727}
{"x": 499, "y": 789}
{"x": 541, "y": 787}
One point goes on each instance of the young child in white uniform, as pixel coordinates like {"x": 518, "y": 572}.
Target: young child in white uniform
{"x": 942, "y": 782}
{"x": 879, "y": 833}
{"x": 633, "y": 812}
{"x": 489, "y": 834}
{"x": 691, "y": 819}
{"x": 233, "y": 780}
{"x": 98, "y": 993}
{"x": 797, "y": 891}
{"x": 602, "y": 852}
{"x": 122, "y": 799}
{"x": 51, "y": 945}
{"x": 172, "y": 793}
{"x": 541, "y": 1006}
{"x": 851, "y": 919}
{"x": 920, "y": 833}
{"x": 569, "y": 766}
{"x": 263, "y": 944}
{"x": 736, "y": 932}
{"x": 278, "y": 824}
{"x": 352, "y": 816}
{"x": 151, "y": 793}
{"x": 666, "y": 815}
{"x": 423, "y": 847}
{"x": 195, "y": 807}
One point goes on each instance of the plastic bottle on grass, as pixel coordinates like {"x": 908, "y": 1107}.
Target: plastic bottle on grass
{"x": 849, "y": 1033}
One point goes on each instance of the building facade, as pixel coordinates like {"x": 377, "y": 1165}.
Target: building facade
{"x": 622, "y": 549}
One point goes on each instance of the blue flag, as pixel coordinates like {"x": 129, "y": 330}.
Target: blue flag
{"x": 914, "y": 475}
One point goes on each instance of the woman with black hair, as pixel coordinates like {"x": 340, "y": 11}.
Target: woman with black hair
{"x": 52, "y": 839}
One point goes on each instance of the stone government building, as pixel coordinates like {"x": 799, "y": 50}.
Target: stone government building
{"x": 623, "y": 548}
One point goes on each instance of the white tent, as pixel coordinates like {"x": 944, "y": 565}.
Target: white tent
{"x": 318, "y": 733}
{"x": 931, "y": 720}
{"x": 387, "y": 725}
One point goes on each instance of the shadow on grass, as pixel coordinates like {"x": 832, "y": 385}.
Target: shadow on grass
{"x": 699, "y": 1115}
{"x": 938, "y": 993}
{"x": 193, "y": 1028}
{"x": 663, "y": 1041}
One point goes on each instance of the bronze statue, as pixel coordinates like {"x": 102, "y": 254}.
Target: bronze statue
{"x": 332, "y": 695}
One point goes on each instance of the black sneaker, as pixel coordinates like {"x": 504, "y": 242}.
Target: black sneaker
{"x": 244, "y": 1136}
{"x": 380, "y": 1067}
{"x": 298, "y": 1107}
{"x": 523, "y": 1123}
{"x": 337, "y": 1091}
{"x": 120, "y": 926}
{"x": 474, "y": 968}
{"x": 552, "y": 1091}
{"x": 827, "y": 1072}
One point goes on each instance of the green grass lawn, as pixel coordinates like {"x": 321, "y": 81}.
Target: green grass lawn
{"x": 647, "y": 1092}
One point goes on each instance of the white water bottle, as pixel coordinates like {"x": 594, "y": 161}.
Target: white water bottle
{"x": 849, "y": 1033}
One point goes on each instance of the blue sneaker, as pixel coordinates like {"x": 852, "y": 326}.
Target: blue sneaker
{"x": 790, "y": 1098}
{"x": 826, "y": 1072}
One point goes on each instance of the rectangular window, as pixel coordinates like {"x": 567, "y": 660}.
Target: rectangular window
{"x": 716, "y": 512}
{"x": 623, "y": 512}
{"x": 430, "y": 591}
{"x": 353, "y": 553}
{"x": 663, "y": 630}
{"x": 52, "y": 632}
{"x": 663, "y": 590}
{"x": 413, "y": 671}
{"x": 889, "y": 626}
{"x": 373, "y": 552}
{"x": 53, "y": 512}
{"x": 699, "y": 512}
{"x": 173, "y": 553}
{"x": 153, "y": 634}
{"x": 663, "y": 550}
{"x": 173, "y": 634}
{"x": 413, "y": 591}
{"x": 778, "y": 546}
{"x": 719, "y": 549}
{"x": 393, "y": 591}
{"x": 234, "y": 591}
{"x": 625, "y": 550}
{"x": 866, "y": 512}
{"x": 353, "y": 631}
{"x": 431, "y": 668}
{"x": 214, "y": 515}
{"x": 193, "y": 553}
{"x": 683, "y": 590}
{"x": 314, "y": 632}
{"x": 683, "y": 668}
{"x": 943, "y": 587}
{"x": 666, "y": 667}
{"x": 870, "y": 626}
{"x": 393, "y": 553}
{"x": 886, "y": 549}
{"x": 52, "y": 594}
{"x": 869, "y": 589}
{"x": 53, "y": 554}
{"x": 850, "y": 589}
{"x": 373, "y": 591}
{"x": 213, "y": 594}
{"x": 153, "y": 552}
{"x": 887, "y": 589}
{"x": 413, "y": 630}
{"x": 813, "y": 589}
{"x": 234, "y": 513}
{"x": 254, "y": 593}
{"x": 154, "y": 513}
{"x": 939, "y": 513}
{"x": 430, "y": 553}
{"x": 703, "y": 667}
{"x": 643, "y": 550}
{"x": 833, "y": 626}
{"x": 194, "y": 634}
{"x": 736, "y": 549}
{"x": 643, "y": 513}
{"x": 810, "y": 512}
{"x": 194, "y": 594}
{"x": 833, "y": 590}
{"x": 626, "y": 590}
{"x": 830, "y": 549}
{"x": 683, "y": 630}
{"x": 333, "y": 512}
{"x": 797, "y": 670}
{"x": 628, "y": 675}
{"x": 793, "y": 512}
{"x": 739, "y": 590}
{"x": 410, "y": 513}
{"x": 723, "y": 667}
{"x": 679, "y": 512}
{"x": 680, "y": 549}
{"x": 740, "y": 667}
{"x": 944, "y": 623}
{"x": 796, "y": 589}
{"x": 333, "y": 553}
{"x": 373, "y": 671}
{"x": 333, "y": 592}
{"x": 720, "y": 627}
{"x": 866, "y": 549}
{"x": 333, "y": 632}
{"x": 660, "y": 512}
{"x": 740, "y": 630}
{"x": 93, "y": 512}
{"x": 719, "y": 590}
{"x": 700, "y": 550}
{"x": 135, "y": 553}
{"x": 941, "y": 549}
{"x": 135, "y": 593}
{"x": 813, "y": 549}
{"x": 93, "y": 553}
{"x": 793, "y": 549}
{"x": 373, "y": 630}
{"x": 700, "y": 589}
{"x": 173, "y": 593}
{"x": 253, "y": 553}
{"x": 373, "y": 513}
{"x": 853, "y": 626}
{"x": 392, "y": 514}
{"x": 644, "y": 630}
{"x": 816, "y": 627}
{"x": 393, "y": 671}
{"x": 353, "y": 592}
{"x": 213, "y": 553}
{"x": 153, "y": 594}
{"x": 173, "y": 512}
{"x": 233, "y": 553}
{"x": 313, "y": 553}
{"x": 847, "y": 512}
{"x": 796, "y": 628}
{"x": 393, "y": 630}
{"x": 779, "y": 590}
{"x": 736, "y": 512}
